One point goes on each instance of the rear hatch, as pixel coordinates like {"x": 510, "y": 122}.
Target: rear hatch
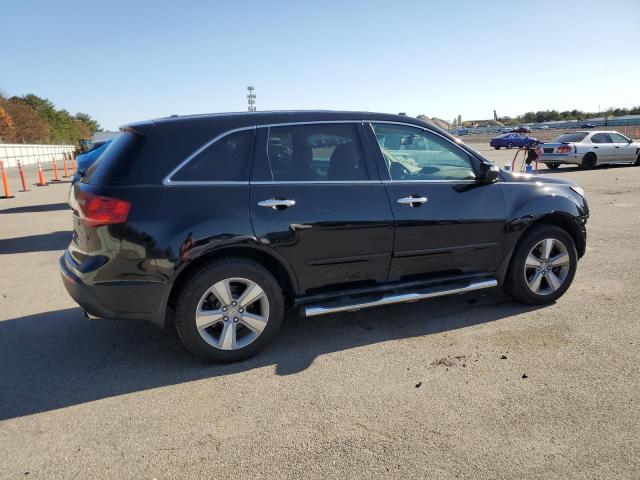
{"x": 97, "y": 204}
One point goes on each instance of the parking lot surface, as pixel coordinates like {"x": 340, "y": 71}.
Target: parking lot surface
{"x": 472, "y": 386}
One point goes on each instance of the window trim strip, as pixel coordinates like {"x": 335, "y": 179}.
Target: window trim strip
{"x": 168, "y": 182}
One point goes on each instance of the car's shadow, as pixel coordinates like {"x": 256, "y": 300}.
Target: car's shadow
{"x": 58, "y": 359}
{"x": 35, "y": 243}
{"x": 49, "y": 207}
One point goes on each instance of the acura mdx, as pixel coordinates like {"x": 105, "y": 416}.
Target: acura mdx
{"x": 217, "y": 224}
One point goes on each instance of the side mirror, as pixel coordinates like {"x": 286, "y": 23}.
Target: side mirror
{"x": 488, "y": 173}
{"x": 630, "y": 140}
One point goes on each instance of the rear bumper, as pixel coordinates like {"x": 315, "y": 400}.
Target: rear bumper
{"x": 568, "y": 158}
{"x": 140, "y": 300}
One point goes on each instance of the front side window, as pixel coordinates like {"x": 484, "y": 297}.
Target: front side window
{"x": 414, "y": 154}
{"x": 317, "y": 152}
{"x": 227, "y": 160}
{"x": 618, "y": 138}
{"x": 601, "y": 138}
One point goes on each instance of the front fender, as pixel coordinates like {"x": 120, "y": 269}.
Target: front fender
{"x": 531, "y": 210}
{"x": 532, "y": 202}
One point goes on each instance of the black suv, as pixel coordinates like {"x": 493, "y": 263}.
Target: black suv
{"x": 218, "y": 223}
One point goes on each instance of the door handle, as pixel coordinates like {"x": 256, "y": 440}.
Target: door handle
{"x": 413, "y": 200}
{"x": 617, "y": 146}
{"x": 277, "y": 204}
{"x": 596, "y": 147}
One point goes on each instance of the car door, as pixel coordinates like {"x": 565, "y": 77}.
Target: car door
{"x": 624, "y": 151}
{"x": 445, "y": 222}
{"x": 316, "y": 199}
{"x": 603, "y": 147}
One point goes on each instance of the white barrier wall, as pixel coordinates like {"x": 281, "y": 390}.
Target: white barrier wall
{"x": 10, "y": 153}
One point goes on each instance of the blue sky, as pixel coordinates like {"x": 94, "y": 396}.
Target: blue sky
{"x": 124, "y": 61}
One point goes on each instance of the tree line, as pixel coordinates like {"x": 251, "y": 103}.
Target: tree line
{"x": 555, "y": 115}
{"x": 32, "y": 119}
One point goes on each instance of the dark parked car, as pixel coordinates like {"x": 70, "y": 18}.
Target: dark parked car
{"x": 216, "y": 224}
{"x": 587, "y": 125}
{"x": 521, "y": 130}
{"x": 510, "y": 140}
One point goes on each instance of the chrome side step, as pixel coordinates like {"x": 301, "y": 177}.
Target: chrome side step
{"x": 315, "y": 310}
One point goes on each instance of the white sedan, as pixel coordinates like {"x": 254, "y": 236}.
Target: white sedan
{"x": 588, "y": 149}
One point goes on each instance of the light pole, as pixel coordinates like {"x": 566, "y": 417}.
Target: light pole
{"x": 251, "y": 99}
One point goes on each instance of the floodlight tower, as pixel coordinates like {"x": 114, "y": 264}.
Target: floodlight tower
{"x": 251, "y": 99}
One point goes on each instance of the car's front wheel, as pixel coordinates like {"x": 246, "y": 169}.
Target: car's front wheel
{"x": 509, "y": 145}
{"x": 543, "y": 265}
{"x": 637, "y": 164}
{"x": 497, "y": 147}
{"x": 228, "y": 310}
{"x": 553, "y": 166}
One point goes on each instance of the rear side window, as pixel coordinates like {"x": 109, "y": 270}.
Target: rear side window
{"x": 319, "y": 152}
{"x": 227, "y": 160}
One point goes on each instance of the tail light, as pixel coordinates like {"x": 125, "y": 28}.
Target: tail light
{"x": 563, "y": 149}
{"x": 98, "y": 210}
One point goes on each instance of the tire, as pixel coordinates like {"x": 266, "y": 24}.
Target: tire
{"x": 497, "y": 148}
{"x": 552, "y": 166}
{"x": 588, "y": 162}
{"x": 520, "y": 282}
{"x": 637, "y": 164}
{"x": 232, "y": 339}
{"x": 509, "y": 145}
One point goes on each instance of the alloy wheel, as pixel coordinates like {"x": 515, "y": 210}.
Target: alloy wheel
{"x": 547, "y": 266}
{"x": 232, "y": 313}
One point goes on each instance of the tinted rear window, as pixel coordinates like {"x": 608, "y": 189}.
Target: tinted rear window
{"x": 227, "y": 160}
{"x": 571, "y": 137}
{"x": 115, "y": 161}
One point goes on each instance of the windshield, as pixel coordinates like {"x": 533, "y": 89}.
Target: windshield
{"x": 571, "y": 137}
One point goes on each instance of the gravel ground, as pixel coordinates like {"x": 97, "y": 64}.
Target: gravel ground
{"x": 472, "y": 386}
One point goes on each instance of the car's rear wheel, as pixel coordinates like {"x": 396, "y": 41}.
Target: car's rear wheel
{"x": 509, "y": 145}
{"x": 637, "y": 164}
{"x": 497, "y": 148}
{"x": 588, "y": 162}
{"x": 553, "y": 166}
{"x": 229, "y": 310}
{"x": 543, "y": 265}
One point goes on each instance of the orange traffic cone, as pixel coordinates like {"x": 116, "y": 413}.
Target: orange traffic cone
{"x": 64, "y": 166}
{"x": 22, "y": 179}
{"x": 73, "y": 163}
{"x": 5, "y": 182}
{"x": 56, "y": 178}
{"x": 41, "y": 181}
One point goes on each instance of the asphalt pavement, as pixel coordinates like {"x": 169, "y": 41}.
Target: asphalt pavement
{"x": 471, "y": 386}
